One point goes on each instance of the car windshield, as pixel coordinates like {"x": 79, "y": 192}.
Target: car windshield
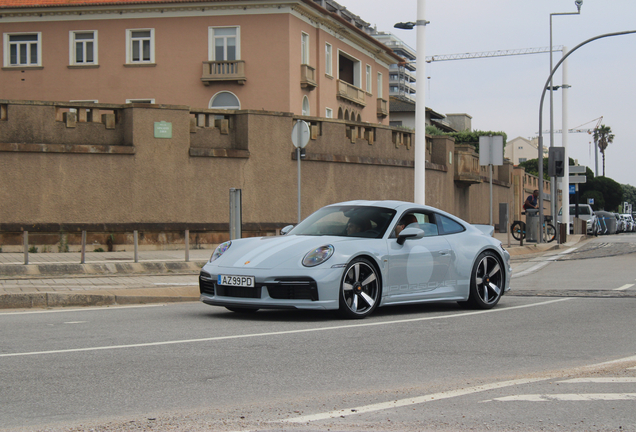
{"x": 346, "y": 221}
{"x": 583, "y": 209}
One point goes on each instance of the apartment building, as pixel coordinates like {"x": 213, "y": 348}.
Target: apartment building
{"x": 293, "y": 56}
{"x": 520, "y": 149}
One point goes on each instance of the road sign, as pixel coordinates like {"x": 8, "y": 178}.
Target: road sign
{"x": 577, "y": 179}
{"x": 590, "y": 201}
{"x": 577, "y": 169}
{"x": 491, "y": 150}
{"x": 300, "y": 134}
{"x": 572, "y": 189}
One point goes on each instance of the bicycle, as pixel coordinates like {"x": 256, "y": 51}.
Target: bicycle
{"x": 518, "y": 229}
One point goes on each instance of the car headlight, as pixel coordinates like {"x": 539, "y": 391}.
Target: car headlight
{"x": 220, "y": 250}
{"x": 318, "y": 256}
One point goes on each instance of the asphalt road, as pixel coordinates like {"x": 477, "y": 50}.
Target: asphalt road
{"x": 428, "y": 367}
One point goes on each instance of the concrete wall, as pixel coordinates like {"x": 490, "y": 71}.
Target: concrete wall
{"x": 58, "y": 174}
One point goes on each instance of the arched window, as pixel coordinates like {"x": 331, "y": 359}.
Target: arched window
{"x": 346, "y": 116}
{"x": 225, "y": 100}
{"x": 359, "y": 118}
{"x": 340, "y": 114}
{"x": 306, "y": 111}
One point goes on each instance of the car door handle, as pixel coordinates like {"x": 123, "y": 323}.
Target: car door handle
{"x": 446, "y": 252}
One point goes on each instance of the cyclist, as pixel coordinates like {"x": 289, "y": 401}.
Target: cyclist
{"x": 531, "y": 201}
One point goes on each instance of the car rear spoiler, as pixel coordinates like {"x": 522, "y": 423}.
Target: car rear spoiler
{"x": 488, "y": 230}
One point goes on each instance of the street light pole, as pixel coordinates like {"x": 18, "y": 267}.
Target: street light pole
{"x": 420, "y": 111}
{"x": 545, "y": 88}
{"x": 419, "y": 187}
{"x": 553, "y": 183}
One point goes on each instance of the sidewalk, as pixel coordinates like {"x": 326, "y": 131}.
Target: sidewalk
{"x": 113, "y": 278}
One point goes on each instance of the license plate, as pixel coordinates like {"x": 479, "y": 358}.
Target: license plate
{"x": 238, "y": 281}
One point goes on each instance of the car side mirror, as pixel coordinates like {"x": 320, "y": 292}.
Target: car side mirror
{"x": 286, "y": 230}
{"x": 410, "y": 233}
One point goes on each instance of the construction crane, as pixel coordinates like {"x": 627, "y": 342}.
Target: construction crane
{"x": 497, "y": 53}
{"x": 581, "y": 129}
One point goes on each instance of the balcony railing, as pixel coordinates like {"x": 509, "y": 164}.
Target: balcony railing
{"x": 307, "y": 77}
{"x": 232, "y": 70}
{"x": 383, "y": 108}
{"x": 351, "y": 93}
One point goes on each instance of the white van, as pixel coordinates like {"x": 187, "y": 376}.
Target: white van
{"x": 586, "y": 213}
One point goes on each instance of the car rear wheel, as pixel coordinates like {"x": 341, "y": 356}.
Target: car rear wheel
{"x": 487, "y": 281}
{"x": 359, "y": 289}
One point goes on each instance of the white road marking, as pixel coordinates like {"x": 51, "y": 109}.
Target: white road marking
{"x": 624, "y": 287}
{"x": 568, "y": 397}
{"x": 75, "y": 322}
{"x": 409, "y": 401}
{"x": 530, "y": 270}
{"x": 91, "y": 309}
{"x": 604, "y": 380}
{"x": 310, "y": 330}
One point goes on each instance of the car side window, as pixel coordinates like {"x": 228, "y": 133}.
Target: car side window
{"x": 449, "y": 226}
{"x": 424, "y": 221}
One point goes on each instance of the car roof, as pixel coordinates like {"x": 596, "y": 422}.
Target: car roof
{"x": 395, "y": 205}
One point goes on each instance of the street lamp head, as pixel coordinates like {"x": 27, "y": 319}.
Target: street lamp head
{"x": 578, "y": 4}
{"x": 410, "y": 25}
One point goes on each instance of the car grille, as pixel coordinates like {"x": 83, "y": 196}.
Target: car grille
{"x": 293, "y": 289}
{"x": 206, "y": 283}
{"x": 279, "y": 289}
{"x": 242, "y": 292}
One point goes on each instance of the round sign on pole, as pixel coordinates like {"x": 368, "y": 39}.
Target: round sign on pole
{"x": 300, "y": 134}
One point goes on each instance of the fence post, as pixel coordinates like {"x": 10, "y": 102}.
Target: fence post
{"x": 136, "y": 240}
{"x": 187, "y": 245}
{"x": 83, "y": 260}
{"x": 26, "y": 247}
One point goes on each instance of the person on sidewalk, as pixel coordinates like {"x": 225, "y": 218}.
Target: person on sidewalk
{"x": 531, "y": 201}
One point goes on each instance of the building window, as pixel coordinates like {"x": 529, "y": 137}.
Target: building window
{"x": 140, "y": 101}
{"x": 83, "y": 49}
{"x": 224, "y": 43}
{"x": 368, "y": 79}
{"x": 225, "y": 100}
{"x": 140, "y": 46}
{"x": 379, "y": 85}
{"x": 306, "y": 110}
{"x": 23, "y": 49}
{"x": 521, "y": 160}
{"x": 304, "y": 48}
{"x": 328, "y": 113}
{"x": 520, "y": 147}
{"x": 328, "y": 60}
{"x": 349, "y": 69}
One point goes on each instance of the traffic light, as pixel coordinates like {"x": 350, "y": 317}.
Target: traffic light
{"x": 556, "y": 162}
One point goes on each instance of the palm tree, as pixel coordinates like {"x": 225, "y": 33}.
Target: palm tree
{"x": 603, "y": 137}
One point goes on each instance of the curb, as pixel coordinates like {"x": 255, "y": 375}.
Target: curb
{"x": 68, "y": 269}
{"x": 101, "y": 298}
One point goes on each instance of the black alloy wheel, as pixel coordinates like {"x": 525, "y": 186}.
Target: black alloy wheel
{"x": 359, "y": 289}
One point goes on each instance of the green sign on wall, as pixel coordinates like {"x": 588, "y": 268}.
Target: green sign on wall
{"x": 163, "y": 129}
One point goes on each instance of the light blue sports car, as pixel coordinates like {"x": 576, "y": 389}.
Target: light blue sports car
{"x": 359, "y": 255}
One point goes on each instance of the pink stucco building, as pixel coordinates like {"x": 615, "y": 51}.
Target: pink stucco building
{"x": 289, "y": 56}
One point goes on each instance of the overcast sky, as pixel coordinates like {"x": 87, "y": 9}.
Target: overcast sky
{"x": 503, "y": 93}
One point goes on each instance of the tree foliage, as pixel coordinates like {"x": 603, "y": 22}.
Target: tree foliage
{"x": 466, "y": 137}
{"x": 603, "y": 137}
{"x": 629, "y": 194}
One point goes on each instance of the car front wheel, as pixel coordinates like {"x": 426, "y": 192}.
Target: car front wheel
{"x": 487, "y": 281}
{"x": 359, "y": 289}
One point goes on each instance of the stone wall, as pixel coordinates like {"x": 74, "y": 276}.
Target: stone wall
{"x": 68, "y": 167}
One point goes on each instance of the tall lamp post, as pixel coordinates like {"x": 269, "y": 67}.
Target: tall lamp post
{"x": 420, "y": 106}
{"x": 553, "y": 185}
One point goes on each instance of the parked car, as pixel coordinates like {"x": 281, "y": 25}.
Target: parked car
{"x": 586, "y": 213}
{"x": 629, "y": 221}
{"x": 620, "y": 223}
{"x": 356, "y": 256}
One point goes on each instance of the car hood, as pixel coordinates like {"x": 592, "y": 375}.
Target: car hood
{"x": 271, "y": 252}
